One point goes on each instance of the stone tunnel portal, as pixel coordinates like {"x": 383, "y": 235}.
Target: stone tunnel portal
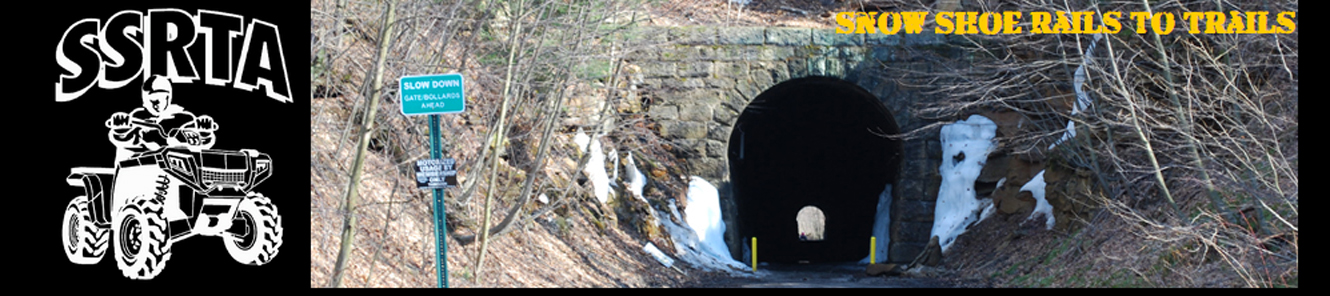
{"x": 813, "y": 141}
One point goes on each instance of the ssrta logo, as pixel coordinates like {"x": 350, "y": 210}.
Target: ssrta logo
{"x": 113, "y": 53}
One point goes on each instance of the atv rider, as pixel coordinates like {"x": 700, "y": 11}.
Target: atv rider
{"x": 158, "y": 123}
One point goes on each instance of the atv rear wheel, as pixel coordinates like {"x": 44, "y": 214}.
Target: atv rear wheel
{"x": 142, "y": 244}
{"x": 84, "y": 241}
{"x": 261, "y": 234}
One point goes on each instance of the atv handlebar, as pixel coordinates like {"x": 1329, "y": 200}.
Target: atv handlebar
{"x": 188, "y": 134}
{"x": 145, "y": 123}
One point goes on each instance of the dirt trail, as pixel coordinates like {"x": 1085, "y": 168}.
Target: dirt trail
{"x": 831, "y": 275}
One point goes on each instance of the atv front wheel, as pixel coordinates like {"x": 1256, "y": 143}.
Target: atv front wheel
{"x": 261, "y": 234}
{"x": 142, "y": 244}
{"x": 84, "y": 241}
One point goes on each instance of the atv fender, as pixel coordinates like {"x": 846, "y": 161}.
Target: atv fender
{"x": 95, "y": 183}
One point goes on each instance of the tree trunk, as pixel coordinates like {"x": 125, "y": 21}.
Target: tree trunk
{"x": 366, "y": 133}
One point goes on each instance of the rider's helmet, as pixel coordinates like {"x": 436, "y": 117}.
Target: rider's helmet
{"x": 156, "y": 94}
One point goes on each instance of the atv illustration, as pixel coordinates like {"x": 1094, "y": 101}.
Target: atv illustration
{"x": 157, "y": 197}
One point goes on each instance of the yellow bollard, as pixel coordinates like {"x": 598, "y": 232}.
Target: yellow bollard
{"x": 872, "y": 250}
{"x": 754, "y": 254}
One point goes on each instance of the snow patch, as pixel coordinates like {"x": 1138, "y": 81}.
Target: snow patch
{"x": 636, "y": 180}
{"x": 703, "y": 216}
{"x": 595, "y": 167}
{"x": 614, "y": 157}
{"x": 582, "y": 140}
{"x": 1067, "y": 135}
{"x": 689, "y": 249}
{"x": 674, "y": 210}
{"x": 1041, "y": 205}
{"x": 988, "y": 210}
{"x": 650, "y": 248}
{"x": 1082, "y": 99}
{"x": 881, "y": 226}
{"x": 700, "y": 241}
{"x": 965, "y": 147}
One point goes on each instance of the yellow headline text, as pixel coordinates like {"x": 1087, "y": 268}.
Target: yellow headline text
{"x": 1065, "y": 22}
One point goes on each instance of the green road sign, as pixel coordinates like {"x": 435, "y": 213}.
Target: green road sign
{"x": 432, "y": 94}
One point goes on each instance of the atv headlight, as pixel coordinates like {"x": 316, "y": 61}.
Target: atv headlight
{"x": 261, "y": 165}
{"x": 259, "y": 170}
{"x": 181, "y": 163}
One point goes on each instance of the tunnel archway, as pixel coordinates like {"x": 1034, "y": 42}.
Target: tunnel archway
{"x": 812, "y": 223}
{"x": 813, "y": 141}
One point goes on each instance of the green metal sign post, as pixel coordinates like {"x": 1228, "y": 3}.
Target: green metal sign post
{"x": 440, "y": 224}
{"x": 433, "y": 95}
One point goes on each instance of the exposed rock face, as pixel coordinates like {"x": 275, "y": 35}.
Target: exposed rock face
{"x": 931, "y": 256}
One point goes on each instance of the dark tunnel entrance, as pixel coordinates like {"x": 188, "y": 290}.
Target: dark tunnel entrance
{"x": 811, "y": 141}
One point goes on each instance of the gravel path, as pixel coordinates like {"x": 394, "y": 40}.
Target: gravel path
{"x": 827, "y": 275}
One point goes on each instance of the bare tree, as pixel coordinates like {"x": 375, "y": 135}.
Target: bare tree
{"x": 366, "y": 132}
